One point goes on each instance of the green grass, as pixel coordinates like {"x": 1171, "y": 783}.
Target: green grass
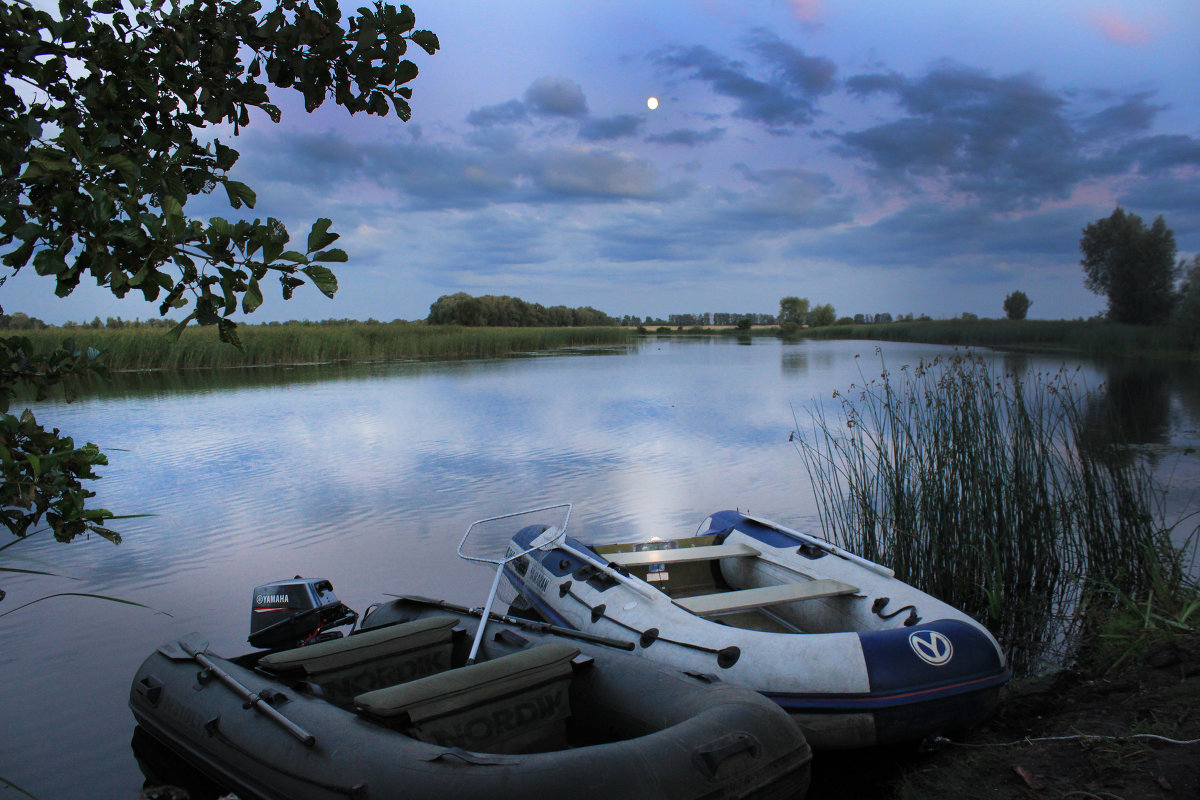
{"x": 132, "y": 348}
{"x": 994, "y": 493}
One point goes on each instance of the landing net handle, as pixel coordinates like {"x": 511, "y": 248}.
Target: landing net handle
{"x": 548, "y": 538}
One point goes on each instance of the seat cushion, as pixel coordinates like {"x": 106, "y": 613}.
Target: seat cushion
{"x": 505, "y": 705}
{"x": 371, "y": 659}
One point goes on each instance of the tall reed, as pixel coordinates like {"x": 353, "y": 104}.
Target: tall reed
{"x": 986, "y": 491}
{"x": 302, "y": 343}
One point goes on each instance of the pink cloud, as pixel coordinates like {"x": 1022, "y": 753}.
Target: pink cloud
{"x": 806, "y": 10}
{"x": 1117, "y": 28}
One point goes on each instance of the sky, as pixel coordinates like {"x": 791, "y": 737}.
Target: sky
{"x": 925, "y": 157}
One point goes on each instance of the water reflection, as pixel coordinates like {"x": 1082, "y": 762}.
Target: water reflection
{"x": 794, "y": 361}
{"x": 368, "y": 475}
{"x": 1134, "y": 405}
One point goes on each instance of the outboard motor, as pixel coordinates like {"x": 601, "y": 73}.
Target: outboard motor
{"x": 293, "y": 613}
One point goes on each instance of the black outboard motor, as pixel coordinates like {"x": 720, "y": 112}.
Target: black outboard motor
{"x": 293, "y": 613}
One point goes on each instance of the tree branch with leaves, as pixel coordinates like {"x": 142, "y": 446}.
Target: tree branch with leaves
{"x": 101, "y": 110}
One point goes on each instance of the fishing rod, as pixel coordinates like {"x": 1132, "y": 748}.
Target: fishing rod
{"x": 521, "y": 622}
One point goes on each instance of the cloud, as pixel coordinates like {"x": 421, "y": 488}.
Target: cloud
{"x": 1005, "y": 140}
{"x": 499, "y": 114}
{"x": 806, "y": 11}
{"x": 556, "y": 97}
{"x": 791, "y": 199}
{"x": 777, "y": 103}
{"x": 812, "y": 76}
{"x": 1133, "y": 114}
{"x": 594, "y": 173}
{"x": 609, "y": 128}
{"x": 688, "y": 138}
{"x": 547, "y": 97}
{"x": 975, "y": 245}
{"x": 1119, "y": 29}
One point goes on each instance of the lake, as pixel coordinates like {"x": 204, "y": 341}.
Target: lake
{"x": 369, "y": 474}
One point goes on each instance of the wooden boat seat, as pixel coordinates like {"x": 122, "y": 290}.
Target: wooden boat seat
{"x": 724, "y": 602}
{"x": 370, "y": 659}
{"x": 512, "y": 704}
{"x": 681, "y": 555}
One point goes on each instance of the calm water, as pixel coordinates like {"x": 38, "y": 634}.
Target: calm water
{"x": 369, "y": 475}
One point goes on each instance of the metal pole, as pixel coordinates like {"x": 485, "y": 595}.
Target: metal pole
{"x": 260, "y": 705}
{"x": 487, "y": 610}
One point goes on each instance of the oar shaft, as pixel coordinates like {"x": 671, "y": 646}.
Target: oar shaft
{"x": 529, "y": 624}
{"x": 260, "y": 705}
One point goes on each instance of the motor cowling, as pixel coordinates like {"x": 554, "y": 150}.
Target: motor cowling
{"x": 296, "y": 612}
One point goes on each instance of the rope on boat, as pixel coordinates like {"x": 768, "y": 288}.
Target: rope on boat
{"x": 942, "y": 740}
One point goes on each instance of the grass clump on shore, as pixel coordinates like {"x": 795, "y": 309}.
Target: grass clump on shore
{"x": 147, "y": 348}
{"x": 992, "y": 493}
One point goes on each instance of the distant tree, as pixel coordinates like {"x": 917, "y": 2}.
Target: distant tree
{"x": 1016, "y": 305}
{"x": 21, "y": 322}
{"x": 745, "y": 324}
{"x": 461, "y": 308}
{"x": 823, "y": 316}
{"x": 1187, "y": 310}
{"x": 1132, "y": 265}
{"x": 793, "y": 310}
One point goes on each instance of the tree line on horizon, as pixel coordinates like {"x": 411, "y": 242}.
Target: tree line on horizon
{"x": 503, "y": 311}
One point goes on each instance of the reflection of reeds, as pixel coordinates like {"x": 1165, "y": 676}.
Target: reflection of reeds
{"x": 300, "y": 343}
{"x": 983, "y": 491}
{"x": 1084, "y": 336}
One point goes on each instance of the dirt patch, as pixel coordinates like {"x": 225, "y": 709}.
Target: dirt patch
{"x": 1085, "y": 733}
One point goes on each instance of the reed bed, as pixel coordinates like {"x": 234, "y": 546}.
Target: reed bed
{"x": 990, "y": 492}
{"x": 132, "y": 348}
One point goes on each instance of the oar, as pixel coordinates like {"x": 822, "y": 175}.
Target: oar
{"x": 195, "y": 649}
{"x": 880, "y": 569}
{"x": 527, "y": 624}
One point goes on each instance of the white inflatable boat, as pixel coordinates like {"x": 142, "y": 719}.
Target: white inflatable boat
{"x": 857, "y": 657}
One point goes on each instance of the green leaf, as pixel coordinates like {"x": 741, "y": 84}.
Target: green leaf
{"x": 226, "y": 156}
{"x": 227, "y": 332}
{"x": 253, "y": 298}
{"x": 336, "y": 254}
{"x": 427, "y": 40}
{"x": 323, "y": 278}
{"x": 177, "y": 331}
{"x": 240, "y": 193}
{"x": 319, "y": 237}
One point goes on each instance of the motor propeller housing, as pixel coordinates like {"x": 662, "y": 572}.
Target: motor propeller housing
{"x": 296, "y": 612}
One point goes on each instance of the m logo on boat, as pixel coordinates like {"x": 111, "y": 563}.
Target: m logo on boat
{"x": 931, "y": 647}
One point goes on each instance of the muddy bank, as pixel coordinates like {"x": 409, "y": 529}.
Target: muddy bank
{"x": 1128, "y": 694}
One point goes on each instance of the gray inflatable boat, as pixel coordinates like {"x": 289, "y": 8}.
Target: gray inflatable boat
{"x": 395, "y": 710}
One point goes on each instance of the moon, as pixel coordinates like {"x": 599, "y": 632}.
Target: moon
{"x": 652, "y": 103}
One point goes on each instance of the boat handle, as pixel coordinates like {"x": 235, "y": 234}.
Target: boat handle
{"x": 150, "y": 688}
{"x": 708, "y": 758}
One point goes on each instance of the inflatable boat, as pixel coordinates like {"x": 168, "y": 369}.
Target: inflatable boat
{"x": 395, "y": 710}
{"x": 857, "y": 657}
